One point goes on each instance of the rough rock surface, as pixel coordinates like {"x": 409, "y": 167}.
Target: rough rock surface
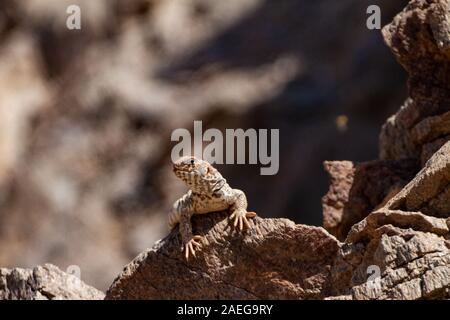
{"x": 419, "y": 38}
{"x": 358, "y": 189}
{"x": 411, "y": 264}
{"x": 391, "y": 254}
{"x": 392, "y": 215}
{"x": 45, "y": 282}
{"x": 276, "y": 259}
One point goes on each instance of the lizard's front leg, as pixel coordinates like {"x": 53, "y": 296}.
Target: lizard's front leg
{"x": 185, "y": 207}
{"x": 239, "y": 209}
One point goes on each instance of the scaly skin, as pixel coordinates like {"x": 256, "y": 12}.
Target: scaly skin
{"x": 209, "y": 192}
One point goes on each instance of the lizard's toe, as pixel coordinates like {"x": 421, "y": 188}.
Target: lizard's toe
{"x": 191, "y": 246}
{"x": 240, "y": 218}
{"x": 247, "y": 224}
{"x": 251, "y": 214}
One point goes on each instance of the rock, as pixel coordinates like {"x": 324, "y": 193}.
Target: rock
{"x": 409, "y": 138}
{"x": 333, "y": 203}
{"x": 280, "y": 260}
{"x": 401, "y": 219}
{"x": 406, "y": 240}
{"x": 400, "y": 250}
{"x": 429, "y": 191}
{"x": 406, "y": 250}
{"x": 413, "y": 265}
{"x": 45, "y": 282}
{"x": 276, "y": 259}
{"x": 426, "y": 57}
{"x": 358, "y": 189}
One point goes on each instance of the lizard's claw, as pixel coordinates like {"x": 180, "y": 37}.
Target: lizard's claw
{"x": 240, "y": 217}
{"x": 192, "y": 245}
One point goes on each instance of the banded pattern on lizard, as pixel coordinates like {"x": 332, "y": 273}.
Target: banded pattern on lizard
{"x": 209, "y": 192}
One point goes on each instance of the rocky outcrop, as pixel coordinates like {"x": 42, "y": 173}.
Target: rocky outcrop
{"x": 86, "y": 115}
{"x": 45, "y": 282}
{"x": 399, "y": 263}
{"x": 405, "y": 237}
{"x": 407, "y": 240}
{"x": 358, "y": 189}
{"x": 391, "y": 215}
{"x": 393, "y": 253}
{"x": 410, "y": 137}
{"x": 419, "y": 38}
{"x": 275, "y": 259}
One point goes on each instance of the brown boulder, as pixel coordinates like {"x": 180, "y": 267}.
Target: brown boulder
{"x": 276, "y": 259}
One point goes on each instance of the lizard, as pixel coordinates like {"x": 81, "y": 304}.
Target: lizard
{"x": 209, "y": 192}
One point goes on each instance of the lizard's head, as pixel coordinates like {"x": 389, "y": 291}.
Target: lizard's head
{"x": 196, "y": 173}
{"x": 189, "y": 168}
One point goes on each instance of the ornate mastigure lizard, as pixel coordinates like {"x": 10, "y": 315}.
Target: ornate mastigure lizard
{"x": 209, "y": 192}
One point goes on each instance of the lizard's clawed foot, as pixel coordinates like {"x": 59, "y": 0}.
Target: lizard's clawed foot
{"x": 240, "y": 217}
{"x": 192, "y": 245}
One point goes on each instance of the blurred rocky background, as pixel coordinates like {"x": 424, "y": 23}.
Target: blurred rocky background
{"x": 86, "y": 115}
